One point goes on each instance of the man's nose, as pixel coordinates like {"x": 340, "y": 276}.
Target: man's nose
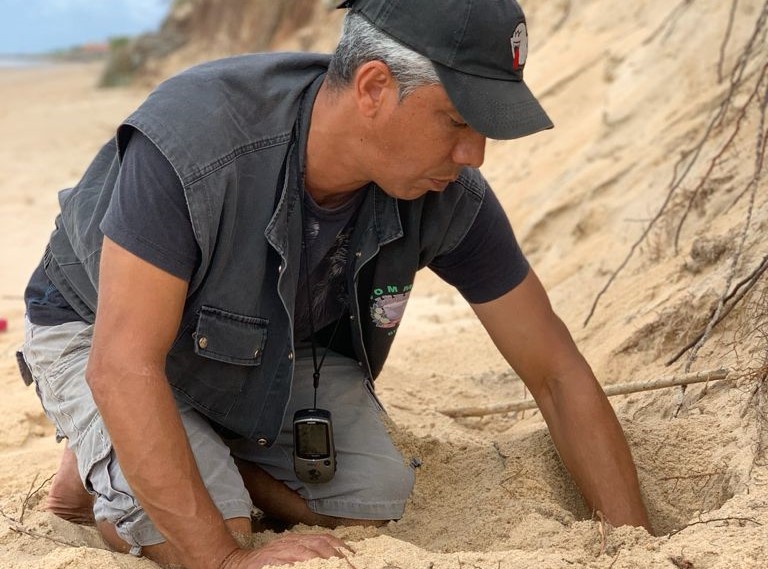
{"x": 470, "y": 149}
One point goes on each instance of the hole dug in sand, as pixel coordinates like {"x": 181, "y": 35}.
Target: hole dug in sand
{"x": 512, "y": 494}
{"x": 687, "y": 467}
{"x": 516, "y": 494}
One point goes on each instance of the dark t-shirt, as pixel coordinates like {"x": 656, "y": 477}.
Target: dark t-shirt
{"x": 148, "y": 216}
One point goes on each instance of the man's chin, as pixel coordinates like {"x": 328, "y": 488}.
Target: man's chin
{"x": 416, "y": 194}
{"x": 409, "y": 194}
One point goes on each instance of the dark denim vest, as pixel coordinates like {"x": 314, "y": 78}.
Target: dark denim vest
{"x": 227, "y": 128}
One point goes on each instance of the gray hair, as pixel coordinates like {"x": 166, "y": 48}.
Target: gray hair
{"x": 361, "y": 42}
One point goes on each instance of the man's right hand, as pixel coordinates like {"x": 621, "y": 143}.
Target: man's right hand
{"x": 291, "y": 548}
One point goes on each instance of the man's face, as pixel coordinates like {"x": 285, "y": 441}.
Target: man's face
{"x": 421, "y": 143}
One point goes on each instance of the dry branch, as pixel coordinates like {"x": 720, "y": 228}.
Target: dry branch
{"x": 611, "y": 390}
{"x": 15, "y": 526}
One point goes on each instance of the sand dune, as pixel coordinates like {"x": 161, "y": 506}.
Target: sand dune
{"x": 635, "y": 91}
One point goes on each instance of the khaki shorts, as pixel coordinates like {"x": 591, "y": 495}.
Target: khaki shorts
{"x": 372, "y": 480}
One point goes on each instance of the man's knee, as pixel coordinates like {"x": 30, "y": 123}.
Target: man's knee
{"x": 388, "y": 486}
{"x": 371, "y": 498}
{"x": 394, "y": 480}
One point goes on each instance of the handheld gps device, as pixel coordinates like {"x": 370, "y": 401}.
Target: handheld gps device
{"x": 314, "y": 455}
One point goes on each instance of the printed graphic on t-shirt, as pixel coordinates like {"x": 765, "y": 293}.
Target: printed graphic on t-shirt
{"x": 388, "y": 305}
{"x": 326, "y": 291}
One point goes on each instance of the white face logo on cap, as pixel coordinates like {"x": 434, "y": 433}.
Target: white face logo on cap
{"x": 519, "y": 46}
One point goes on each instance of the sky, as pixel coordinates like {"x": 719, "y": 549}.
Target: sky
{"x": 37, "y": 26}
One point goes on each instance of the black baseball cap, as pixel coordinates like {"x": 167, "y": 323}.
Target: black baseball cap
{"x": 478, "y": 48}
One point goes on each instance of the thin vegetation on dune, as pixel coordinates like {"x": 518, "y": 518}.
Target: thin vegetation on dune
{"x": 741, "y": 115}
{"x": 757, "y": 403}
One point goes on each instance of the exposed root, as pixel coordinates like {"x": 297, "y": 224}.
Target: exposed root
{"x": 741, "y": 521}
{"x": 758, "y": 400}
{"x": 742, "y": 76}
{"x": 726, "y": 39}
{"x": 724, "y": 307}
{"x": 601, "y": 528}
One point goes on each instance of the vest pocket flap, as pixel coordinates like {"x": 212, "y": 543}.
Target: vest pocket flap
{"x": 231, "y": 338}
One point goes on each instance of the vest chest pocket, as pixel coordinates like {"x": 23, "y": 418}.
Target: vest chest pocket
{"x": 230, "y": 338}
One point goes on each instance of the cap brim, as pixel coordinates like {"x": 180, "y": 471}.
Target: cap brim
{"x": 493, "y": 107}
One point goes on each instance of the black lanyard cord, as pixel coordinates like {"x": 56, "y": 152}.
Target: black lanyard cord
{"x": 315, "y": 364}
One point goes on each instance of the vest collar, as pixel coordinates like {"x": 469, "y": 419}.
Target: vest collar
{"x": 386, "y": 216}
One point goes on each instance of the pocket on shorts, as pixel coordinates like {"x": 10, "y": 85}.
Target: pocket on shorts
{"x": 57, "y": 357}
{"x": 114, "y": 501}
{"x": 74, "y": 355}
{"x": 92, "y": 447}
{"x": 46, "y": 346}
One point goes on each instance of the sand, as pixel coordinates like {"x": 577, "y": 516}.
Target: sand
{"x": 632, "y": 89}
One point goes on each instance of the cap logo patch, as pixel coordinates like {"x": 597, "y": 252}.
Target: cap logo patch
{"x": 519, "y": 46}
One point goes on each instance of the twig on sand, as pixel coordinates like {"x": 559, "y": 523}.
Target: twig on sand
{"x": 14, "y": 525}
{"x": 31, "y": 493}
{"x": 620, "y": 389}
{"x": 17, "y": 525}
{"x": 729, "y": 519}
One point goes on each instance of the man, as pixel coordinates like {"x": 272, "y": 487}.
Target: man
{"x": 250, "y": 238}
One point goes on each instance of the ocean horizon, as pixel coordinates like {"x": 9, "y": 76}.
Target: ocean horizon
{"x": 12, "y": 61}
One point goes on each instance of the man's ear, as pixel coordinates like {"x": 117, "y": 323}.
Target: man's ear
{"x": 373, "y": 86}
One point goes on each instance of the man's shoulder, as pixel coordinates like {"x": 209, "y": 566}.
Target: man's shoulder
{"x": 272, "y": 67}
{"x": 254, "y": 80}
{"x": 226, "y": 107}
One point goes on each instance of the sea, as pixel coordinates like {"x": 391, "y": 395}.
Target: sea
{"x": 22, "y": 61}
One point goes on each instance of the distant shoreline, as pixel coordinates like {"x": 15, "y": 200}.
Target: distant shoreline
{"x": 22, "y": 61}
{"x": 26, "y": 61}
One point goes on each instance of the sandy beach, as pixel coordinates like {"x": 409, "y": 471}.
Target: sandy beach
{"x": 653, "y": 170}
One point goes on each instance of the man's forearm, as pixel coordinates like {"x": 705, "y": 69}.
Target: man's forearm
{"x": 537, "y": 344}
{"x": 151, "y": 444}
{"x": 593, "y": 448}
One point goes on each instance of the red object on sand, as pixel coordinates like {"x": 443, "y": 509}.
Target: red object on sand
{"x": 3, "y": 325}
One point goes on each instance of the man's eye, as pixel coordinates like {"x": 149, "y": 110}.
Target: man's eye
{"x": 458, "y": 124}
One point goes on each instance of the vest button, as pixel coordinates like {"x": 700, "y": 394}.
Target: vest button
{"x": 290, "y": 355}
{"x": 202, "y": 341}
{"x": 358, "y": 254}
{"x": 256, "y": 353}
{"x": 262, "y": 442}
